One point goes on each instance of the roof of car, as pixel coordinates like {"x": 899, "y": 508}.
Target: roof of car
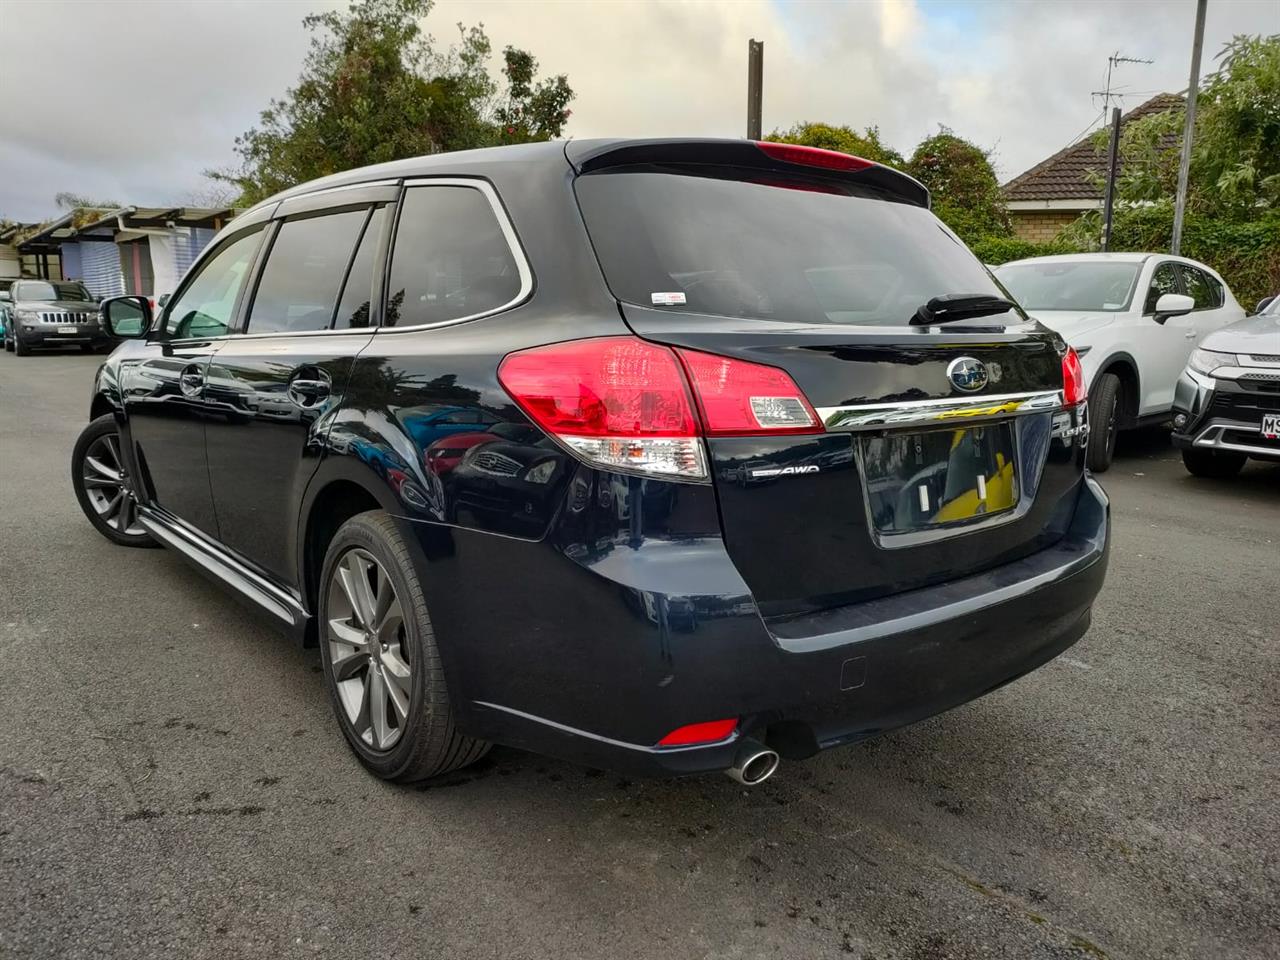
{"x": 434, "y": 165}
{"x": 1090, "y": 257}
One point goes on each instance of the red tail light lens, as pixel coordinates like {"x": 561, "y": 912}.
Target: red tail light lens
{"x": 625, "y": 404}
{"x": 812, "y": 156}
{"x": 737, "y": 398}
{"x": 712, "y": 731}
{"x": 617, "y": 401}
{"x": 1073, "y": 389}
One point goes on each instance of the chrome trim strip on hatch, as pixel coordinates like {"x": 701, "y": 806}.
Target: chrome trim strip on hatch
{"x": 916, "y": 413}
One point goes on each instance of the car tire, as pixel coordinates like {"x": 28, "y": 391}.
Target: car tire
{"x": 381, "y": 663}
{"x": 8, "y": 342}
{"x": 1104, "y": 422}
{"x": 106, "y": 493}
{"x": 1213, "y": 465}
{"x": 20, "y": 348}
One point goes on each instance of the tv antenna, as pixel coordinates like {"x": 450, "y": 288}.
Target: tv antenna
{"x": 1114, "y": 61}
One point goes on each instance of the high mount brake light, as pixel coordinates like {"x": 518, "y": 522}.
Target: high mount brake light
{"x": 625, "y": 404}
{"x": 1073, "y": 389}
{"x": 812, "y": 156}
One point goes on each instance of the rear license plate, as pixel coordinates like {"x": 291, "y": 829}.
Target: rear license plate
{"x": 1271, "y": 426}
{"x": 71, "y": 330}
{"x": 919, "y": 481}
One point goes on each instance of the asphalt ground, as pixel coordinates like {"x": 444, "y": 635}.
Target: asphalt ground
{"x": 172, "y": 782}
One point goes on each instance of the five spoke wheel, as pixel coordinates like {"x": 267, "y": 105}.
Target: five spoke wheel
{"x": 106, "y": 484}
{"x": 368, "y": 649}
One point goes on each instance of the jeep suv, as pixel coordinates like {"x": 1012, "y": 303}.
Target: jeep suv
{"x": 48, "y": 313}
{"x": 664, "y": 456}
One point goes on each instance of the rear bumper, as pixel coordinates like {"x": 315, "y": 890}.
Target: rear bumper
{"x": 594, "y": 688}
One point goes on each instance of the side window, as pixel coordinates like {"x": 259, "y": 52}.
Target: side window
{"x": 204, "y": 308}
{"x": 1219, "y": 294}
{"x": 1199, "y": 288}
{"x": 299, "y": 285}
{"x": 1164, "y": 280}
{"x": 353, "y": 308}
{"x": 450, "y": 258}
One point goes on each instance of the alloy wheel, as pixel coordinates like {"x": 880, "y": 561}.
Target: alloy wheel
{"x": 106, "y": 482}
{"x": 369, "y": 649}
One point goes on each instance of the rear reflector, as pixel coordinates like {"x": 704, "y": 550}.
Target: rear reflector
{"x": 812, "y": 156}
{"x": 1073, "y": 389}
{"x": 625, "y": 404}
{"x": 737, "y": 398}
{"x": 711, "y": 731}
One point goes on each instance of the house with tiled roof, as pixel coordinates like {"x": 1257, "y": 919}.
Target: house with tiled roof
{"x": 1058, "y": 190}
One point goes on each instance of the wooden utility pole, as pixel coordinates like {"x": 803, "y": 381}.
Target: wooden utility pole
{"x": 1113, "y": 154}
{"x": 755, "y": 86}
{"x": 1188, "y": 129}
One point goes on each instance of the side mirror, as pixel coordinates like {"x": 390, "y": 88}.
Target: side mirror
{"x": 1172, "y": 305}
{"x": 1262, "y": 304}
{"x": 164, "y": 299}
{"x": 127, "y": 318}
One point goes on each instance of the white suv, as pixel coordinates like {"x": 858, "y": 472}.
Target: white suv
{"x": 1134, "y": 318}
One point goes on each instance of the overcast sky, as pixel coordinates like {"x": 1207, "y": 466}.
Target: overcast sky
{"x": 131, "y": 100}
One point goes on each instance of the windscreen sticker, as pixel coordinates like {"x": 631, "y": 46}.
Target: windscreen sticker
{"x": 666, "y": 299}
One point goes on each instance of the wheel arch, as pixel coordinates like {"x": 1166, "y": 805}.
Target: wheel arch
{"x": 1125, "y": 368}
{"x": 338, "y": 491}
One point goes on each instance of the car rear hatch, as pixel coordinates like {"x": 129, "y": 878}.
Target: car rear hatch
{"x": 941, "y": 449}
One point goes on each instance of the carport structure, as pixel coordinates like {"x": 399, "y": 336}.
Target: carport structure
{"x": 138, "y": 250}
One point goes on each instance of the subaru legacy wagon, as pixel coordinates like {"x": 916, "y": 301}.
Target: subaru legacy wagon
{"x": 666, "y": 456}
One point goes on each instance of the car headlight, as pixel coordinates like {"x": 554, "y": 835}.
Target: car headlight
{"x": 28, "y": 315}
{"x": 1207, "y": 361}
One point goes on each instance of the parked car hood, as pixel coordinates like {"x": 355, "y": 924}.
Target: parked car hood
{"x": 1073, "y": 324}
{"x": 77, "y": 306}
{"x": 1260, "y": 334}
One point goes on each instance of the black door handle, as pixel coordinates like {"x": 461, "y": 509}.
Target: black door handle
{"x": 191, "y": 381}
{"x": 309, "y": 387}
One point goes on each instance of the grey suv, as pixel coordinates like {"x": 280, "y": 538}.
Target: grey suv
{"x": 1226, "y": 408}
{"x": 49, "y": 313}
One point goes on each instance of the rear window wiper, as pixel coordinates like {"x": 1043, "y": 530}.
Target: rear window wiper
{"x": 960, "y": 306}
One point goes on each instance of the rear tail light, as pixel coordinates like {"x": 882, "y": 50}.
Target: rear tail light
{"x": 711, "y": 731}
{"x": 812, "y": 156}
{"x": 737, "y": 398}
{"x": 625, "y": 404}
{"x": 1073, "y": 390}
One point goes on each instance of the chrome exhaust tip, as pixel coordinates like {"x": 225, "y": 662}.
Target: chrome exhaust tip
{"x": 753, "y": 764}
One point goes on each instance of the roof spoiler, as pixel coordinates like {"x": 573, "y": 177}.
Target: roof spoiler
{"x": 594, "y": 155}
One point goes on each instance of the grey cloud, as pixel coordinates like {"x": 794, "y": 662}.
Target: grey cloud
{"x": 162, "y": 89}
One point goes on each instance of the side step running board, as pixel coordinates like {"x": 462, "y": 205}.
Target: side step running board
{"x": 224, "y": 569}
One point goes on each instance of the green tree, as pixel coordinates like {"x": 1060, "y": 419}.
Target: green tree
{"x": 1235, "y": 151}
{"x": 963, "y": 185}
{"x": 867, "y": 145}
{"x": 374, "y": 88}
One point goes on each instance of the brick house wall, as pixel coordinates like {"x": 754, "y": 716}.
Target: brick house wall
{"x": 1040, "y": 226}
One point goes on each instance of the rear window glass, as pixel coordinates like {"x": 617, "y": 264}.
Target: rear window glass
{"x": 811, "y": 251}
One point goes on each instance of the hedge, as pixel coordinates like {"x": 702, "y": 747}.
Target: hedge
{"x": 1246, "y": 254}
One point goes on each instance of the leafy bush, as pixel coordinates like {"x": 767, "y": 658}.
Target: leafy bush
{"x": 843, "y": 139}
{"x": 961, "y": 181}
{"x": 998, "y": 249}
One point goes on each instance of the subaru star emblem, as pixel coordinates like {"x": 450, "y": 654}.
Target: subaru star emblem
{"x": 967, "y": 373}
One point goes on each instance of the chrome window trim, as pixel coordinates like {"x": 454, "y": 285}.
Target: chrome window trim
{"x": 523, "y": 269}
{"x": 937, "y": 413}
